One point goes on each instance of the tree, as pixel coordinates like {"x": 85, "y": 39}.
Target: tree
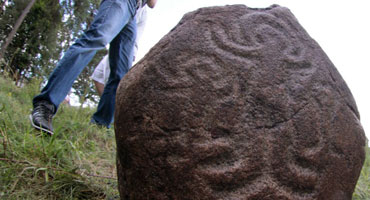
{"x": 47, "y": 31}
{"x": 15, "y": 29}
{"x": 35, "y": 44}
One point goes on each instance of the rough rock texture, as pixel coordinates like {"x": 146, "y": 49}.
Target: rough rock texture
{"x": 237, "y": 103}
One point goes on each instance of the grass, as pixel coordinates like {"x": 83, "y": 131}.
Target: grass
{"x": 78, "y": 162}
{"x": 362, "y": 191}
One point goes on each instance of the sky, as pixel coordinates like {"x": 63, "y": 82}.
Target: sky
{"x": 341, "y": 27}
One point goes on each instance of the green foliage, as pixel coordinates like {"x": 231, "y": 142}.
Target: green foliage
{"x": 362, "y": 191}
{"x": 48, "y": 30}
{"x": 77, "y": 162}
{"x": 35, "y": 44}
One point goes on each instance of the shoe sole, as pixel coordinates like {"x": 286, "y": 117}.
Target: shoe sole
{"x": 40, "y": 128}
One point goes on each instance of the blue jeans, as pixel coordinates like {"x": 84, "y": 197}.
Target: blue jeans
{"x": 114, "y": 24}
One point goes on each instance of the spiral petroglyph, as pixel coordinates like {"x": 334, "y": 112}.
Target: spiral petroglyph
{"x": 237, "y": 103}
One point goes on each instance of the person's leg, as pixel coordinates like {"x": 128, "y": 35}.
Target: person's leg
{"x": 99, "y": 87}
{"x": 112, "y": 17}
{"x": 120, "y": 59}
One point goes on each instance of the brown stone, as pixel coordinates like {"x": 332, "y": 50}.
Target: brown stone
{"x": 237, "y": 103}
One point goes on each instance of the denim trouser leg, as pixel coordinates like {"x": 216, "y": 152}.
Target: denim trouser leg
{"x": 120, "y": 61}
{"x": 112, "y": 18}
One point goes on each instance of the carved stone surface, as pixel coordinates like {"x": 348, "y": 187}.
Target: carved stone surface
{"x": 237, "y": 103}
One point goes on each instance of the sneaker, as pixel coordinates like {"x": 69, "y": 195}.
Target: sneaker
{"x": 42, "y": 115}
{"x": 96, "y": 123}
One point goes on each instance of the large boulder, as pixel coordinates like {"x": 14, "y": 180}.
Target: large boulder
{"x": 237, "y": 103}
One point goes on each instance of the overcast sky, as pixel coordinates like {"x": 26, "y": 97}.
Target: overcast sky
{"x": 341, "y": 27}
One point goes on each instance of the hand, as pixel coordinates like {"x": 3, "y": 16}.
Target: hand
{"x": 151, "y": 3}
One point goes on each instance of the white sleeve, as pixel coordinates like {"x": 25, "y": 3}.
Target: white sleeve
{"x": 141, "y": 17}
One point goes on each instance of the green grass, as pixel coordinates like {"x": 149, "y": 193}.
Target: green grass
{"x": 362, "y": 191}
{"x": 78, "y": 162}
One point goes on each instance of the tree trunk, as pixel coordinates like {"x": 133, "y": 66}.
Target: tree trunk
{"x": 15, "y": 29}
